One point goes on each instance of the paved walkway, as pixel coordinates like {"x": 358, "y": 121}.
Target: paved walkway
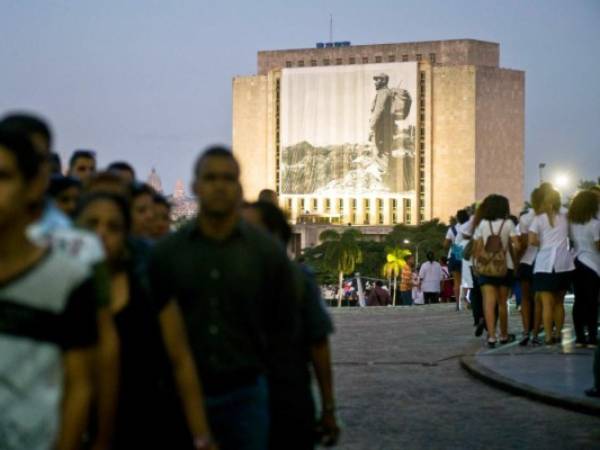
{"x": 400, "y": 386}
{"x": 555, "y": 374}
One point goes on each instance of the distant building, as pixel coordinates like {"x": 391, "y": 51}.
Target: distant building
{"x": 378, "y": 135}
{"x": 154, "y": 181}
{"x": 182, "y": 206}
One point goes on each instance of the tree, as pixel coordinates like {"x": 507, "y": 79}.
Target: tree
{"x": 342, "y": 253}
{"x": 395, "y": 262}
{"x": 588, "y": 184}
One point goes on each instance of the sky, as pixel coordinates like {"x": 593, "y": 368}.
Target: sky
{"x": 150, "y": 81}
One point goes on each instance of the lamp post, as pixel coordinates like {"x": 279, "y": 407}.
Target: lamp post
{"x": 541, "y": 167}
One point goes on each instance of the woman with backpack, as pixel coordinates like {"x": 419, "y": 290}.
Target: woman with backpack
{"x": 553, "y": 266}
{"x": 492, "y": 251}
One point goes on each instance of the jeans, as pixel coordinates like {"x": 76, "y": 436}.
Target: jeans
{"x": 585, "y": 309}
{"x": 476, "y": 301}
{"x": 431, "y": 297}
{"x": 406, "y": 297}
{"x": 239, "y": 419}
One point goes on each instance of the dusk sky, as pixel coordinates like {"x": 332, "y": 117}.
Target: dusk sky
{"x": 150, "y": 81}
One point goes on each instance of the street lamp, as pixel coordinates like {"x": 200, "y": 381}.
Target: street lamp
{"x": 542, "y": 166}
{"x": 561, "y": 181}
{"x": 406, "y": 241}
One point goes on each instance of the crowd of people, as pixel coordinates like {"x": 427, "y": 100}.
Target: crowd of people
{"x": 118, "y": 333}
{"x": 546, "y": 252}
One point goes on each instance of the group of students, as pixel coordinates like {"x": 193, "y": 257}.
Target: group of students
{"x": 116, "y": 333}
{"x": 548, "y": 250}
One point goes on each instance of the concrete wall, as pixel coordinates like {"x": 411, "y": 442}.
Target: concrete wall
{"x": 500, "y": 134}
{"x": 453, "y": 139}
{"x": 455, "y": 52}
{"x": 249, "y": 132}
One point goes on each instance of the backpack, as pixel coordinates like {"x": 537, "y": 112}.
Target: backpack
{"x": 491, "y": 261}
{"x": 401, "y": 103}
{"x": 456, "y": 250}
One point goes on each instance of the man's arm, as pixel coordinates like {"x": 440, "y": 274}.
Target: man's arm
{"x": 77, "y": 397}
{"x": 186, "y": 377}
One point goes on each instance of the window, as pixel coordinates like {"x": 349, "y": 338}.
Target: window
{"x": 302, "y": 204}
{"x": 288, "y": 64}
{"x": 328, "y": 204}
{"x": 365, "y": 59}
{"x": 313, "y": 62}
{"x": 326, "y": 62}
{"x": 300, "y": 63}
{"x": 394, "y": 218}
{"x": 367, "y": 218}
{"x": 380, "y": 221}
{"x": 432, "y": 57}
{"x": 419, "y": 57}
{"x": 289, "y": 204}
{"x": 367, "y": 203}
{"x": 378, "y": 59}
{"x": 404, "y": 58}
{"x": 391, "y": 58}
{"x": 353, "y": 203}
{"x": 422, "y": 117}
{"x": 352, "y": 60}
{"x": 394, "y": 204}
{"x": 340, "y": 204}
{"x": 314, "y": 203}
{"x": 338, "y": 61}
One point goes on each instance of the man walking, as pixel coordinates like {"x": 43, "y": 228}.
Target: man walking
{"x": 233, "y": 284}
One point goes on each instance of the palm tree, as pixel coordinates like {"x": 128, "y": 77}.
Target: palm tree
{"x": 342, "y": 253}
{"x": 396, "y": 260}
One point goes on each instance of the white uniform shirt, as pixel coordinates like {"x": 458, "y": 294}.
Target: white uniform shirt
{"x": 553, "y": 253}
{"x": 451, "y": 236}
{"x": 431, "y": 276}
{"x": 484, "y": 231}
{"x": 584, "y": 238}
{"x": 524, "y": 223}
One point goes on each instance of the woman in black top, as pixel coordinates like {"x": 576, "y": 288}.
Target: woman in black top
{"x": 155, "y": 369}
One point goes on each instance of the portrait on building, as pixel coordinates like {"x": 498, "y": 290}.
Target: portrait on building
{"x": 348, "y": 129}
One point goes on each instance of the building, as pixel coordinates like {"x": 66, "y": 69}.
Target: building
{"x": 154, "y": 181}
{"x": 376, "y": 135}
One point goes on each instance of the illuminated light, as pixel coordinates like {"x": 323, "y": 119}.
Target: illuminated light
{"x": 561, "y": 181}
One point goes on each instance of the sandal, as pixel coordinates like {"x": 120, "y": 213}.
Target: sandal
{"x": 491, "y": 344}
{"x": 535, "y": 341}
{"x": 524, "y": 340}
{"x": 507, "y": 339}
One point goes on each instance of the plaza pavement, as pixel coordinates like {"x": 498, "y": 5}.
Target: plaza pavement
{"x": 400, "y": 385}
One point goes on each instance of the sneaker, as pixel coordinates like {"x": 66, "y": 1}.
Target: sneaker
{"x": 524, "y": 340}
{"x": 593, "y": 392}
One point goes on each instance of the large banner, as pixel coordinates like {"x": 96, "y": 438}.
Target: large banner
{"x": 348, "y": 129}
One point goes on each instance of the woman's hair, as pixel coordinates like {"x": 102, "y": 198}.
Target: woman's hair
{"x": 273, "y": 219}
{"x": 584, "y": 207}
{"x": 430, "y": 256}
{"x": 495, "y": 207}
{"x": 120, "y": 201}
{"x": 138, "y": 189}
{"x": 549, "y": 201}
{"x": 462, "y": 216}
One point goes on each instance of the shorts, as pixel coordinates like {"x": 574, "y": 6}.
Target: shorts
{"x": 454, "y": 265}
{"x": 525, "y": 272}
{"x": 552, "y": 282}
{"x": 507, "y": 280}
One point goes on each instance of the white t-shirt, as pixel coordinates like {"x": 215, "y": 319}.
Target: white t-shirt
{"x": 524, "y": 223}
{"x": 451, "y": 235}
{"x": 584, "y": 238}
{"x": 484, "y": 231}
{"x": 431, "y": 276}
{"x": 553, "y": 253}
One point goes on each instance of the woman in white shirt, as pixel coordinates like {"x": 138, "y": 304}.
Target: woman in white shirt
{"x": 584, "y": 230}
{"x": 431, "y": 276}
{"x": 495, "y": 222}
{"x": 553, "y": 266}
{"x": 527, "y": 254}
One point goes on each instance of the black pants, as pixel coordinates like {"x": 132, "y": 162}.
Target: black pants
{"x": 476, "y": 300}
{"x": 431, "y": 297}
{"x": 585, "y": 309}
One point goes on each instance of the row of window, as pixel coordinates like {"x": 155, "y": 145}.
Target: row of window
{"x": 313, "y": 204}
{"x": 422, "y": 91}
{"x": 354, "y": 60}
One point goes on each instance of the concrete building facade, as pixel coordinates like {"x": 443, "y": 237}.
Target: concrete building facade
{"x": 469, "y": 135}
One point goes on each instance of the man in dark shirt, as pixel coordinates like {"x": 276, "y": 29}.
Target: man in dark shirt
{"x": 379, "y": 296}
{"x": 233, "y": 285}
